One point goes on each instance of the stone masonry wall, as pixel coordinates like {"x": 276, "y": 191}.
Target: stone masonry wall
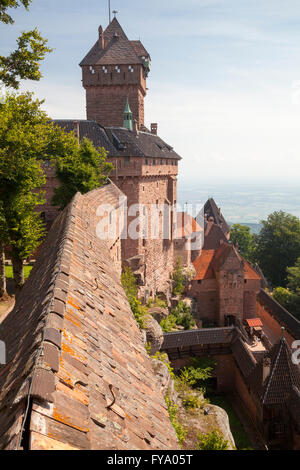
{"x": 106, "y": 105}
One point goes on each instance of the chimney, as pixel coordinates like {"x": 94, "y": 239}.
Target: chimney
{"x": 77, "y": 132}
{"x": 154, "y": 128}
{"x": 135, "y": 127}
{"x": 266, "y": 368}
{"x": 101, "y": 38}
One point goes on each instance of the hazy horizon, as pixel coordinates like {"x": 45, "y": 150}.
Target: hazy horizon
{"x": 242, "y": 202}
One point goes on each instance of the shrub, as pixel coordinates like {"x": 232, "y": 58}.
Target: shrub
{"x": 179, "y": 316}
{"x": 212, "y": 440}
{"x": 131, "y": 290}
{"x": 156, "y": 302}
{"x": 163, "y": 357}
{"x": 197, "y": 372}
{"x": 181, "y": 432}
{"x": 168, "y": 324}
{"x": 191, "y": 401}
{"x": 178, "y": 278}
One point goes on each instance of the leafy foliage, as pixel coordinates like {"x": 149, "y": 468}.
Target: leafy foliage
{"x": 24, "y": 62}
{"x": 23, "y": 139}
{"x": 179, "y": 316}
{"x": 290, "y": 297}
{"x": 181, "y": 432}
{"x": 163, "y": 357}
{"x": 131, "y": 290}
{"x": 82, "y": 169}
{"x": 191, "y": 401}
{"x": 5, "y": 4}
{"x": 195, "y": 374}
{"x": 241, "y": 235}
{"x": 278, "y": 246}
{"x": 156, "y": 302}
{"x": 178, "y": 278}
{"x": 212, "y": 440}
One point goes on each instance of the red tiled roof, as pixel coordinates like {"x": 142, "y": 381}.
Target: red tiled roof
{"x": 250, "y": 272}
{"x": 139, "y": 49}
{"x": 203, "y": 265}
{"x": 79, "y": 346}
{"x": 211, "y": 260}
{"x": 254, "y": 322}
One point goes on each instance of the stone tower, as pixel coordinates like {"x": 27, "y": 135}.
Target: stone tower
{"x": 114, "y": 71}
{"x": 145, "y": 167}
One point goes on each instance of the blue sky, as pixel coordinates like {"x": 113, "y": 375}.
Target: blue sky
{"x": 224, "y": 85}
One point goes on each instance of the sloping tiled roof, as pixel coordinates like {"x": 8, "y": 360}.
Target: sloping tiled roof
{"x": 210, "y": 261}
{"x": 118, "y": 50}
{"x": 211, "y": 210}
{"x": 283, "y": 377}
{"x": 249, "y": 272}
{"x": 280, "y": 313}
{"x": 186, "y": 225}
{"x": 73, "y": 337}
{"x": 203, "y": 265}
{"x": 195, "y": 337}
{"x": 119, "y": 141}
{"x": 91, "y": 130}
{"x": 144, "y": 144}
{"x": 254, "y": 322}
{"x": 139, "y": 49}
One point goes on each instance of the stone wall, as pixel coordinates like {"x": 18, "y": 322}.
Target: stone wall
{"x": 273, "y": 324}
{"x": 106, "y": 94}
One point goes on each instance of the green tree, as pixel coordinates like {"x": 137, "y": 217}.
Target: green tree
{"x": 179, "y": 316}
{"x": 79, "y": 167}
{"x": 212, "y": 441}
{"x": 290, "y": 297}
{"x": 283, "y": 296}
{"x": 278, "y": 246}
{"x": 23, "y": 139}
{"x": 6, "y": 4}
{"x": 241, "y": 235}
{"x": 24, "y": 62}
{"x": 3, "y": 238}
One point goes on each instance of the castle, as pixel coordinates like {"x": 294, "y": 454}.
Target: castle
{"x": 77, "y": 373}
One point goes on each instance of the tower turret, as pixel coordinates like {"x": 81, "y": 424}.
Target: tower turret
{"x": 127, "y": 123}
{"x": 113, "y": 70}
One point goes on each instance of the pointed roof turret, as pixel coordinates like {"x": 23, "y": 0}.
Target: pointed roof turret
{"x": 275, "y": 377}
{"x": 212, "y": 210}
{"x": 284, "y": 375}
{"x": 127, "y": 123}
{"x": 114, "y": 48}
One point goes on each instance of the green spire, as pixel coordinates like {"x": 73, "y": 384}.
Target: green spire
{"x": 127, "y": 123}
